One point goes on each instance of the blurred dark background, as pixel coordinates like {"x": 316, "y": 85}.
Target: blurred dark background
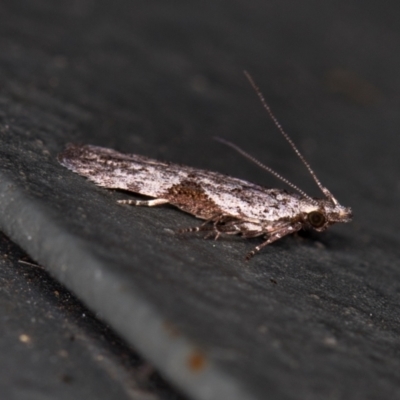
{"x": 312, "y": 316}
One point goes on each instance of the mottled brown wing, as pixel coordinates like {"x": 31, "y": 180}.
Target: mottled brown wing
{"x": 198, "y": 192}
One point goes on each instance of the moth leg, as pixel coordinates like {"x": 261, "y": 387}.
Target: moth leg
{"x": 225, "y": 225}
{"x": 205, "y": 226}
{"x": 214, "y": 233}
{"x": 147, "y": 203}
{"x": 208, "y": 225}
{"x": 217, "y": 233}
{"x": 230, "y": 228}
{"x": 274, "y": 236}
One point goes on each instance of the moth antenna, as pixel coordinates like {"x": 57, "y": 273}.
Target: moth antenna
{"x": 324, "y": 190}
{"x": 261, "y": 165}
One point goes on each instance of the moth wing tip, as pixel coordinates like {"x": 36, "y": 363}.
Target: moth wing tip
{"x": 71, "y": 151}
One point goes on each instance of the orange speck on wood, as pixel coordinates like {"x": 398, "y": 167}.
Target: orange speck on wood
{"x": 196, "y": 361}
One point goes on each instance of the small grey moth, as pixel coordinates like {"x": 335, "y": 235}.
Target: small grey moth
{"x": 227, "y": 205}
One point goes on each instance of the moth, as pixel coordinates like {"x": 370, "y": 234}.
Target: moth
{"x": 228, "y": 206}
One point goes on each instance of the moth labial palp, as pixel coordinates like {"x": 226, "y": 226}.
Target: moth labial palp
{"x": 228, "y": 206}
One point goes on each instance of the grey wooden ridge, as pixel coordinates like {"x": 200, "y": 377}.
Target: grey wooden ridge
{"x": 54, "y": 347}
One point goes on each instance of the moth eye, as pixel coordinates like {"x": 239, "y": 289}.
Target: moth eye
{"x": 316, "y": 219}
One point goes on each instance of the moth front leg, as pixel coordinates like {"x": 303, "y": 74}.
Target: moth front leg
{"x": 146, "y": 203}
{"x": 274, "y": 236}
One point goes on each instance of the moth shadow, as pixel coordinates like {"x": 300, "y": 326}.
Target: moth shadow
{"x": 329, "y": 239}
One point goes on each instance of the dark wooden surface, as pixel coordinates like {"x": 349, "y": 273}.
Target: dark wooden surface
{"x": 52, "y": 346}
{"x": 314, "y": 316}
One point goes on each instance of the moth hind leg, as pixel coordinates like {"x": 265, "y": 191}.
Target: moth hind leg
{"x": 208, "y": 225}
{"x": 145, "y": 203}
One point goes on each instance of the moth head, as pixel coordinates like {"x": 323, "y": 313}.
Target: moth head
{"x": 326, "y": 213}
